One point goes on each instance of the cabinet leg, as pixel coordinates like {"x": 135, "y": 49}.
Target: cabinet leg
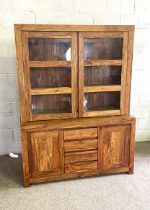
{"x": 26, "y": 184}
{"x": 131, "y": 171}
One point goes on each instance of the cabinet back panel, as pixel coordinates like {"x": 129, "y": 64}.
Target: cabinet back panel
{"x": 48, "y": 49}
{"x": 50, "y": 77}
{"x": 102, "y": 75}
{"x": 102, "y": 101}
{"x": 55, "y": 103}
{"x": 103, "y": 48}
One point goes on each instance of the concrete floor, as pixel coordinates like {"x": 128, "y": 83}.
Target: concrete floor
{"x": 111, "y": 192}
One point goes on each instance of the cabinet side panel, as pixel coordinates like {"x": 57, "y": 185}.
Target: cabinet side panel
{"x": 21, "y": 77}
{"x": 132, "y": 148}
{"x": 129, "y": 68}
{"x": 25, "y": 159}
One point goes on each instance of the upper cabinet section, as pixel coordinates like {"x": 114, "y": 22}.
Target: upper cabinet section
{"x": 73, "y": 71}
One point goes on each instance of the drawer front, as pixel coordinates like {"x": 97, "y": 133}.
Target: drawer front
{"x": 80, "y": 133}
{"x": 81, "y": 167}
{"x": 72, "y": 157}
{"x": 80, "y": 145}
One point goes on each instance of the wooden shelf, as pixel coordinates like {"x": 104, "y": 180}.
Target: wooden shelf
{"x": 44, "y": 91}
{"x": 49, "y": 63}
{"x": 103, "y": 88}
{"x": 102, "y": 62}
{"x": 102, "y": 112}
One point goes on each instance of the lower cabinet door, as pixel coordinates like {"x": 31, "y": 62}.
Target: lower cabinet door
{"x": 113, "y": 147}
{"x": 45, "y": 154}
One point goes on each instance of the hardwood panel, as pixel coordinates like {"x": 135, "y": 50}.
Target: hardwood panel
{"x": 132, "y": 147}
{"x": 102, "y": 113}
{"x": 74, "y": 74}
{"x": 80, "y": 167}
{"x": 49, "y": 63}
{"x": 113, "y": 147}
{"x": 45, "y": 91}
{"x": 50, "y": 34}
{"x": 129, "y": 68}
{"x": 123, "y": 99}
{"x": 72, "y": 157}
{"x": 79, "y": 123}
{"x": 102, "y": 88}
{"x": 52, "y": 27}
{"x": 102, "y": 62}
{"x": 80, "y": 145}
{"x": 96, "y": 35}
{"x": 80, "y": 133}
{"x": 45, "y": 153}
{"x": 25, "y": 158}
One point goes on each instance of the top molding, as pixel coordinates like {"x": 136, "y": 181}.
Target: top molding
{"x": 45, "y": 27}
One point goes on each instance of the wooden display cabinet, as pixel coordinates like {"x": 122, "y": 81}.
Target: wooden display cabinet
{"x": 80, "y": 72}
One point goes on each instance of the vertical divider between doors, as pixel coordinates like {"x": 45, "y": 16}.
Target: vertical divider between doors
{"x": 81, "y": 74}
{"x": 74, "y": 74}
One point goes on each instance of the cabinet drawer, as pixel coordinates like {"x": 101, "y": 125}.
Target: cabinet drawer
{"x": 80, "y": 145}
{"x": 81, "y": 167}
{"x": 72, "y": 157}
{"x": 80, "y": 133}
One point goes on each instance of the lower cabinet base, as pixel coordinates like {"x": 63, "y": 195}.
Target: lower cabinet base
{"x": 77, "y": 175}
{"x": 67, "y": 149}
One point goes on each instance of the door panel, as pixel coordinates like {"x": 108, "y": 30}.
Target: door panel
{"x": 45, "y": 153}
{"x": 50, "y": 71}
{"x": 102, "y": 68}
{"x": 113, "y": 147}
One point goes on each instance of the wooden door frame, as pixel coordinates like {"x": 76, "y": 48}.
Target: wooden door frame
{"x": 123, "y": 62}
{"x": 25, "y": 104}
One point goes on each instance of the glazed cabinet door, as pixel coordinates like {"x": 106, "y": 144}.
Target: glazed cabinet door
{"x": 102, "y": 73}
{"x": 45, "y": 154}
{"x": 50, "y": 75}
{"x": 113, "y": 147}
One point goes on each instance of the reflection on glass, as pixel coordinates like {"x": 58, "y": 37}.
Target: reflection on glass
{"x": 101, "y": 101}
{"x": 102, "y": 75}
{"x": 48, "y": 49}
{"x": 50, "y": 77}
{"x": 46, "y": 104}
{"x": 103, "y": 49}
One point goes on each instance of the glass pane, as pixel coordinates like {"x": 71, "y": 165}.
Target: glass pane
{"x": 46, "y": 49}
{"x": 101, "y": 101}
{"x": 50, "y": 77}
{"x": 103, "y": 49}
{"x": 102, "y": 75}
{"x": 44, "y": 104}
